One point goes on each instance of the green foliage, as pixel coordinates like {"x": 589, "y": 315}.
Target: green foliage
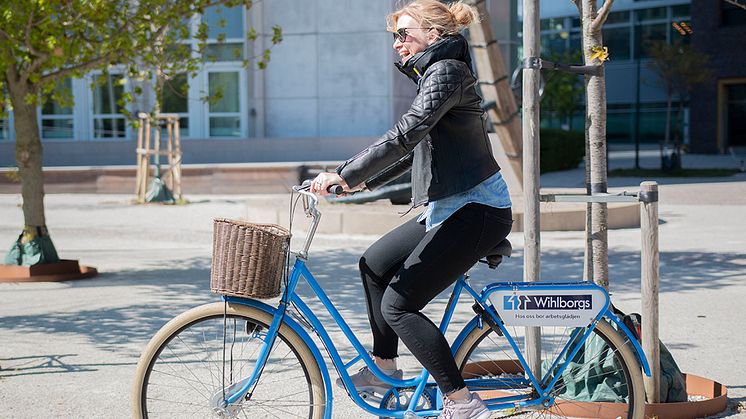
{"x": 43, "y": 42}
{"x": 560, "y": 150}
{"x": 563, "y": 92}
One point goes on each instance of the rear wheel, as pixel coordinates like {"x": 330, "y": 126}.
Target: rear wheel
{"x": 604, "y": 370}
{"x": 182, "y": 372}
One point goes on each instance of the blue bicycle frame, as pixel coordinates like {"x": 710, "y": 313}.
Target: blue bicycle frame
{"x": 544, "y": 385}
{"x": 421, "y": 382}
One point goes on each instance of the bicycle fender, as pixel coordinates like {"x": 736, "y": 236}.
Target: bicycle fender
{"x": 473, "y": 323}
{"x": 635, "y": 344}
{"x": 297, "y": 328}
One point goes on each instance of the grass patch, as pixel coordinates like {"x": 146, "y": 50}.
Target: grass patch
{"x": 673, "y": 173}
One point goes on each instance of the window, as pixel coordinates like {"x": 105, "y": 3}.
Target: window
{"x": 736, "y": 117}
{"x": 575, "y": 41}
{"x": 619, "y": 125}
{"x": 652, "y": 124}
{"x": 57, "y": 118}
{"x": 225, "y": 104}
{"x": 554, "y": 44}
{"x": 4, "y": 128}
{"x": 5, "y": 116}
{"x": 176, "y": 100}
{"x": 225, "y": 33}
{"x": 618, "y": 41}
{"x": 618, "y": 17}
{"x": 648, "y": 34}
{"x": 108, "y": 121}
{"x": 655, "y": 13}
{"x": 553, "y": 24}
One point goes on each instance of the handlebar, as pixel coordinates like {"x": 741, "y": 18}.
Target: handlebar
{"x": 310, "y": 204}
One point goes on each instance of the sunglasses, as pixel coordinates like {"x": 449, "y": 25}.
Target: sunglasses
{"x": 401, "y": 34}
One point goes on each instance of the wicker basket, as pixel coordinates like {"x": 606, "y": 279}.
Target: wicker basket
{"x": 248, "y": 259}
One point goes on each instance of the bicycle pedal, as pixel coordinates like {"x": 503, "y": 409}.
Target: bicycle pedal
{"x": 370, "y": 397}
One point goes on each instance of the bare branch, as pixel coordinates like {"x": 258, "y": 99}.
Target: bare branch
{"x": 89, "y": 65}
{"x": 603, "y": 14}
{"x": 578, "y": 5}
{"x": 736, "y": 3}
{"x": 29, "y": 26}
{"x": 6, "y": 35}
{"x": 36, "y": 65}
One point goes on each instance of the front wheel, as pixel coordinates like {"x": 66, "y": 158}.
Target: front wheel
{"x": 190, "y": 363}
{"x": 603, "y": 380}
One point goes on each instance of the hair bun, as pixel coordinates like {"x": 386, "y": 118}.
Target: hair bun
{"x": 463, "y": 13}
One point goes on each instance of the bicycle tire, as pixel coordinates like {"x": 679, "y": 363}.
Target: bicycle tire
{"x": 191, "y": 379}
{"x": 471, "y": 358}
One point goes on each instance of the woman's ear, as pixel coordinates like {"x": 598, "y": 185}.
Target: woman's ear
{"x": 432, "y": 36}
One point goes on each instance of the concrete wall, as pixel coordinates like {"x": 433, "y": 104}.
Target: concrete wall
{"x": 100, "y": 153}
{"x": 332, "y": 74}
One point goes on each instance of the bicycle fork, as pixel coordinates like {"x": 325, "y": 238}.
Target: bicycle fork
{"x": 224, "y": 401}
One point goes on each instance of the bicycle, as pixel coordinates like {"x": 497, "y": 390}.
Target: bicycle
{"x": 244, "y": 358}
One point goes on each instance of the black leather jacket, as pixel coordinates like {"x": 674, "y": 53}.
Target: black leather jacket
{"x": 443, "y": 135}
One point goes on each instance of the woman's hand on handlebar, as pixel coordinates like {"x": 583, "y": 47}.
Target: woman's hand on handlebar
{"x": 325, "y": 179}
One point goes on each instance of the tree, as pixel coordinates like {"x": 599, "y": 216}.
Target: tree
{"x": 43, "y": 42}
{"x": 597, "y": 250}
{"x": 679, "y": 67}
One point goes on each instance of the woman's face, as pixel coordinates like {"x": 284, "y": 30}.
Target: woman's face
{"x": 411, "y": 37}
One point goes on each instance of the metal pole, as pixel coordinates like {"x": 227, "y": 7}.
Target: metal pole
{"x": 531, "y": 227}
{"x": 637, "y": 46}
{"x": 650, "y": 263}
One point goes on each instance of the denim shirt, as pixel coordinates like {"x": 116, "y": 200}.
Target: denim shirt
{"x": 492, "y": 191}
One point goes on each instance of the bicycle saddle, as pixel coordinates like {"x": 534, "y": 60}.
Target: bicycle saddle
{"x": 495, "y": 256}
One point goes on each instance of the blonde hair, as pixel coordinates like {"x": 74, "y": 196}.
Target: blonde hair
{"x": 447, "y": 19}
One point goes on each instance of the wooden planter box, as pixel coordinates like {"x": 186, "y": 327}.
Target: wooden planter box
{"x": 715, "y": 397}
{"x": 64, "y": 270}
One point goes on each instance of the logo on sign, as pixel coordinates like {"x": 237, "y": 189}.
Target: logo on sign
{"x": 547, "y": 302}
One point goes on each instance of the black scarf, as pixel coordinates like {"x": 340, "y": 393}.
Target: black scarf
{"x": 449, "y": 47}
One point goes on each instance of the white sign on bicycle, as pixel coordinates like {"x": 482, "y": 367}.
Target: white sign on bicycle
{"x": 563, "y": 307}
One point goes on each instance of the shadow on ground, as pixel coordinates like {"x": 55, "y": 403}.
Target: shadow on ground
{"x": 178, "y": 289}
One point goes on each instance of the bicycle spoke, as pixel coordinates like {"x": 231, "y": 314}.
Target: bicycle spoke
{"x": 191, "y": 362}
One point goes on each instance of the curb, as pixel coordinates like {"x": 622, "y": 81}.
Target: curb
{"x": 380, "y": 217}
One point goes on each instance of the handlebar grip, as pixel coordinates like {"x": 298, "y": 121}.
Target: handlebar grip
{"x": 335, "y": 189}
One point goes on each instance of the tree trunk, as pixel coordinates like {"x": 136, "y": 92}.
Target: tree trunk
{"x": 596, "y": 129}
{"x": 29, "y": 162}
{"x": 28, "y": 153}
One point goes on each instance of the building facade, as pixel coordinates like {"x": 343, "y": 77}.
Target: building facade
{"x": 331, "y": 87}
{"x": 636, "y": 98}
{"x": 718, "y": 116}
{"x": 329, "y": 90}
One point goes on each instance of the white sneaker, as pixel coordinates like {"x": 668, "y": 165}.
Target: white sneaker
{"x": 472, "y": 408}
{"x": 366, "y": 381}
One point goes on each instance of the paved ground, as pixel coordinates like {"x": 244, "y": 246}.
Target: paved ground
{"x": 69, "y": 349}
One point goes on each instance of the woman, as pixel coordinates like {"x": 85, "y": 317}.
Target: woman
{"x": 442, "y": 138}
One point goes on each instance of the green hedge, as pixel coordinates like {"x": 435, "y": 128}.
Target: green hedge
{"x": 561, "y": 150}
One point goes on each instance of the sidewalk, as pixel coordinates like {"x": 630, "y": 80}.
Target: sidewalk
{"x": 70, "y": 349}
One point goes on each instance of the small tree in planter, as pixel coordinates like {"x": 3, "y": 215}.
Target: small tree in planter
{"x": 679, "y": 67}
{"x": 44, "y": 42}
{"x": 592, "y": 19}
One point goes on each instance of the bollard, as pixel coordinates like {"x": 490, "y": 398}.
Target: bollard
{"x": 649, "y": 287}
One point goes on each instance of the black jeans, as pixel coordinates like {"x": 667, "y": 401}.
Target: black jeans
{"x": 408, "y": 267}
